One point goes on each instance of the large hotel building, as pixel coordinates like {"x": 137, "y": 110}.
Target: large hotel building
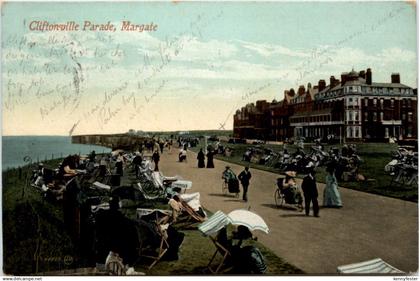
{"x": 354, "y": 108}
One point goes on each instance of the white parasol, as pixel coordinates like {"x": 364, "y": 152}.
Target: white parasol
{"x": 237, "y": 217}
{"x": 248, "y": 219}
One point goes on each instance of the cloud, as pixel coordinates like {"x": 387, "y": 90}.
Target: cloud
{"x": 397, "y": 55}
{"x": 216, "y": 72}
{"x": 267, "y": 50}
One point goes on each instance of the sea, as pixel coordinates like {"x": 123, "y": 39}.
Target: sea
{"x": 19, "y": 150}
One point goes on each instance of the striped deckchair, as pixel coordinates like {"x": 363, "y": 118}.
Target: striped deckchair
{"x": 148, "y": 197}
{"x": 215, "y": 223}
{"x": 210, "y": 227}
{"x": 375, "y": 266}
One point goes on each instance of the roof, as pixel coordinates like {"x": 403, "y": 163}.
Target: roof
{"x": 312, "y": 92}
{"x": 277, "y": 104}
{"x": 390, "y": 85}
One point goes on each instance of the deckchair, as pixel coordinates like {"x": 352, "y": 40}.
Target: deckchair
{"x": 374, "y": 266}
{"x": 115, "y": 267}
{"x": 211, "y": 227}
{"x": 99, "y": 185}
{"x": 163, "y": 182}
{"x": 163, "y": 248}
{"x": 158, "y": 229}
{"x": 192, "y": 212}
{"x": 221, "y": 267}
{"x": 146, "y": 194}
{"x": 217, "y": 222}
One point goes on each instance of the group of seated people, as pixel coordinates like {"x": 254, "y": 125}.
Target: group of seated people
{"x": 53, "y": 181}
{"x": 118, "y": 238}
{"x": 121, "y": 239}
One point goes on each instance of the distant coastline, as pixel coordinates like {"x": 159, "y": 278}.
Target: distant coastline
{"x": 40, "y": 148}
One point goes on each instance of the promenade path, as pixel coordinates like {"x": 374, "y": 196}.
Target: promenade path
{"x": 367, "y": 227}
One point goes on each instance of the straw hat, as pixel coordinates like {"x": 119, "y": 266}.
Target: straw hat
{"x": 290, "y": 174}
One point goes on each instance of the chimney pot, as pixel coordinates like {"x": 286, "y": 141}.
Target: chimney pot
{"x": 301, "y": 90}
{"x": 395, "y": 78}
{"x": 343, "y": 78}
{"x": 369, "y": 76}
{"x": 321, "y": 85}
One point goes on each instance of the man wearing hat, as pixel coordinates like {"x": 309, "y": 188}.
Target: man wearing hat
{"x": 310, "y": 192}
{"x": 244, "y": 177}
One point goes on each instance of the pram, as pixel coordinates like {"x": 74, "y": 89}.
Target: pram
{"x": 290, "y": 196}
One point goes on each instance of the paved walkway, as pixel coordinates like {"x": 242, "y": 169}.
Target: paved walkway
{"x": 368, "y": 226}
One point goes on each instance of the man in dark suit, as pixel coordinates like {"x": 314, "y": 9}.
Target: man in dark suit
{"x": 244, "y": 177}
{"x": 310, "y": 192}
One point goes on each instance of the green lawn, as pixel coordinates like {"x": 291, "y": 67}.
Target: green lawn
{"x": 35, "y": 239}
{"x": 375, "y": 156}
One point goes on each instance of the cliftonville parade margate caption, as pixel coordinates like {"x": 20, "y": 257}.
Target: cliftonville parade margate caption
{"x": 91, "y": 26}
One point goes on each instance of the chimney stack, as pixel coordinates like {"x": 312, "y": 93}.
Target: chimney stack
{"x": 395, "y": 78}
{"x": 369, "y": 76}
{"x": 333, "y": 82}
{"x": 301, "y": 90}
{"x": 343, "y": 78}
{"x": 321, "y": 85}
{"x": 291, "y": 92}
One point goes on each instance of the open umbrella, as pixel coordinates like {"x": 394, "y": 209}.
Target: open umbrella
{"x": 248, "y": 219}
{"x": 237, "y": 217}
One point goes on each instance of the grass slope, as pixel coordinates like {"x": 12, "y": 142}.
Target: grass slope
{"x": 35, "y": 239}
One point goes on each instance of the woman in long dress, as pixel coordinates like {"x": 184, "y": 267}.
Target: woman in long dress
{"x": 210, "y": 163}
{"x": 332, "y": 197}
{"x": 200, "y": 158}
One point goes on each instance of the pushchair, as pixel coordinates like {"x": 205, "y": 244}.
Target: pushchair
{"x": 291, "y": 196}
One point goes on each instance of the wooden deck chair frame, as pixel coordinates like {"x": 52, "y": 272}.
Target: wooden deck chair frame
{"x": 189, "y": 218}
{"x": 115, "y": 268}
{"x": 163, "y": 247}
{"x": 225, "y": 254}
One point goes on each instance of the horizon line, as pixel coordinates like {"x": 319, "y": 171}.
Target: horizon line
{"x": 116, "y": 133}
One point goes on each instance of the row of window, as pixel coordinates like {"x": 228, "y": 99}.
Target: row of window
{"x": 311, "y": 119}
{"x": 353, "y": 132}
{"x": 352, "y": 116}
{"x": 364, "y": 89}
{"x": 404, "y": 102}
{"x": 408, "y": 117}
{"x": 382, "y": 90}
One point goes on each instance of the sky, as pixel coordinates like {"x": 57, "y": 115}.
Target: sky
{"x": 204, "y": 60}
